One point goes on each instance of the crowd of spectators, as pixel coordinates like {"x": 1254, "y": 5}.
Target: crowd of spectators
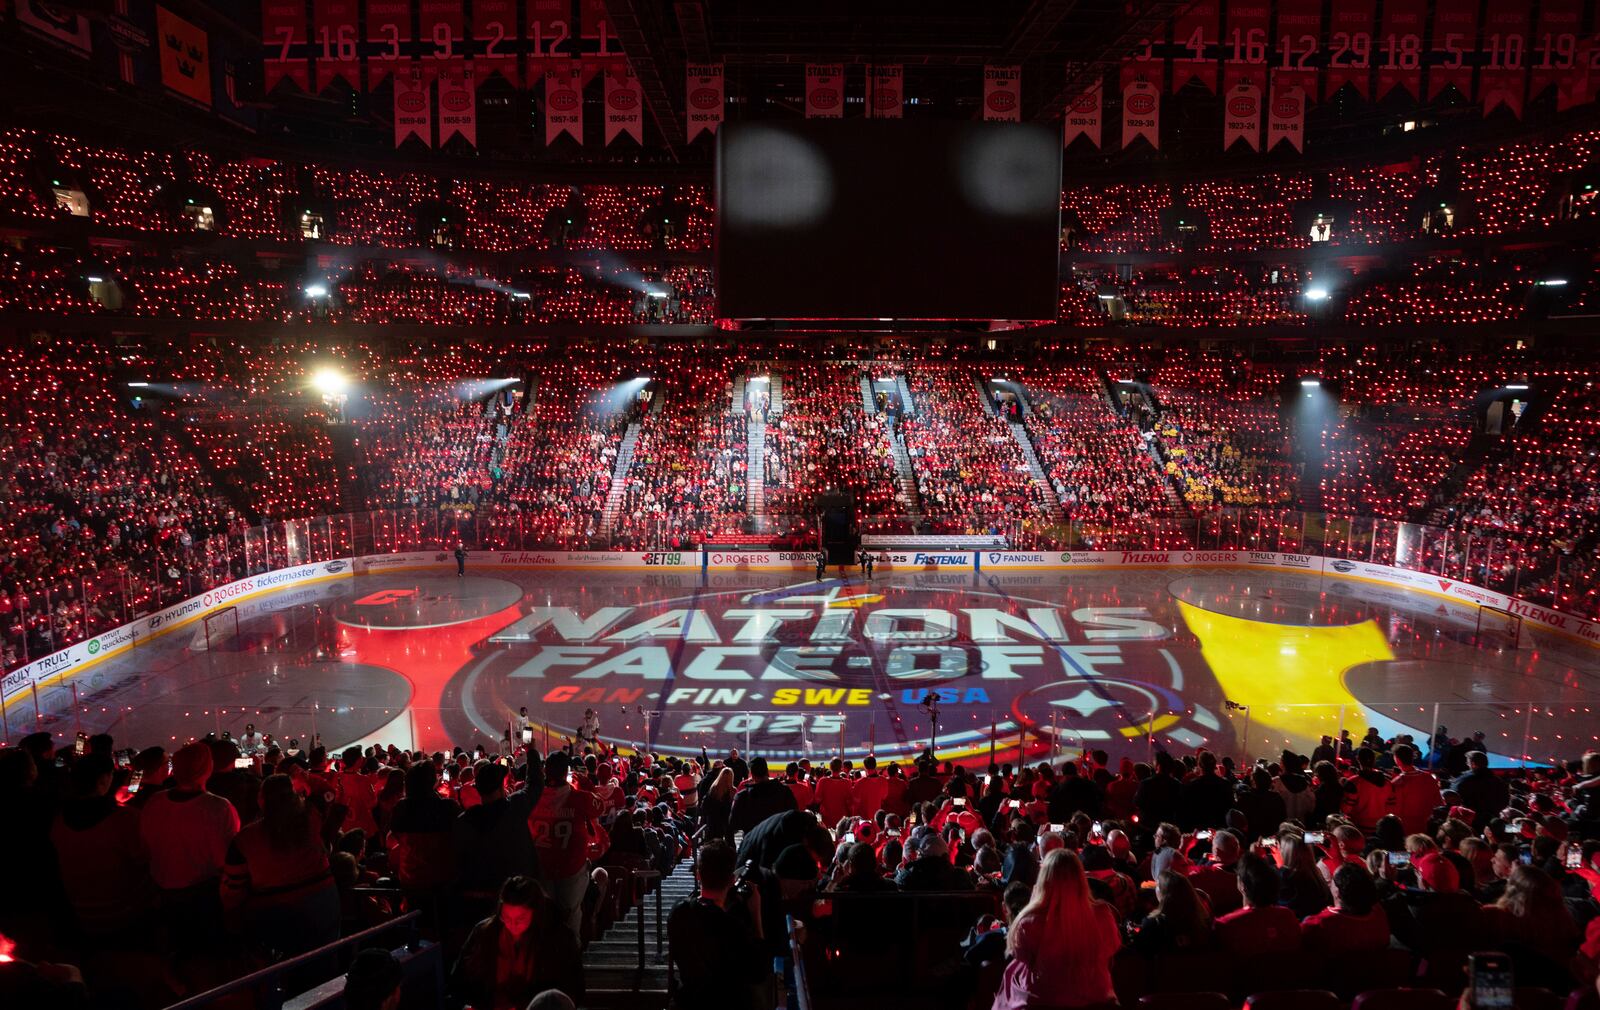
{"x": 1367, "y": 863}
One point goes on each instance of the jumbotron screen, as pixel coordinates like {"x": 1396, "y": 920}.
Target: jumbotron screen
{"x": 888, "y": 219}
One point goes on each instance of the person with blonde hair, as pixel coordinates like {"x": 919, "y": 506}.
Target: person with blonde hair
{"x": 1061, "y": 943}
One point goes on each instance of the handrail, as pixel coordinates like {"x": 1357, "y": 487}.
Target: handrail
{"x": 278, "y": 968}
{"x": 802, "y": 978}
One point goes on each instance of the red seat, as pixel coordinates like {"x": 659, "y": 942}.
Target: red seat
{"x": 1185, "y": 1001}
{"x": 1294, "y": 999}
{"x": 1403, "y": 999}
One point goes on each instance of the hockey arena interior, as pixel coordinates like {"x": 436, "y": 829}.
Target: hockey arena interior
{"x": 613, "y": 504}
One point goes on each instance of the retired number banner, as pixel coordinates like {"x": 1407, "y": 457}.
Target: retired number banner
{"x": 1299, "y": 48}
{"x": 334, "y": 35}
{"x": 1244, "y": 43}
{"x": 824, "y": 90}
{"x": 1349, "y": 47}
{"x": 283, "y": 34}
{"x": 494, "y": 30}
{"x": 703, "y": 98}
{"x": 1195, "y": 30}
{"x": 1504, "y": 77}
{"x": 1555, "y": 44}
{"x": 1455, "y": 35}
{"x": 388, "y": 33}
{"x": 1400, "y": 46}
{"x": 1002, "y": 93}
{"x": 443, "y": 28}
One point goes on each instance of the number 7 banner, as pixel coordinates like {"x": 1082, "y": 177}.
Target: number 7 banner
{"x": 283, "y": 35}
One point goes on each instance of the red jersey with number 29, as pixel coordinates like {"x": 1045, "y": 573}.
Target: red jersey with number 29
{"x": 560, "y": 828}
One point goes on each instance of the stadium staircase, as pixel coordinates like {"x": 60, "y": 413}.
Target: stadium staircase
{"x": 619, "y": 477}
{"x": 626, "y": 968}
{"x": 737, "y": 399}
{"x": 219, "y": 480}
{"x": 755, "y": 472}
{"x": 775, "y": 395}
{"x": 347, "y": 467}
{"x": 869, "y": 402}
{"x": 904, "y": 476}
{"x": 1036, "y": 470}
{"x": 905, "y": 394}
{"x": 983, "y": 395}
{"x": 1482, "y": 450}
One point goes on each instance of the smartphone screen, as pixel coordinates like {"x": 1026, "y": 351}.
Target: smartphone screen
{"x": 80, "y": 745}
{"x": 959, "y": 802}
{"x": 1015, "y": 804}
{"x": 1314, "y": 837}
{"x": 1058, "y": 828}
{"x": 1574, "y": 857}
{"x": 1493, "y": 987}
{"x": 243, "y": 762}
{"x": 527, "y": 735}
{"x": 1204, "y": 836}
{"x": 134, "y": 780}
{"x": 1399, "y": 859}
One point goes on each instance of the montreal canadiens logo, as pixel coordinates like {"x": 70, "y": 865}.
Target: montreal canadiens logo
{"x": 623, "y": 100}
{"x": 1241, "y": 106}
{"x": 705, "y": 98}
{"x": 1141, "y": 104}
{"x": 455, "y": 101}
{"x": 885, "y": 99}
{"x": 1285, "y": 108}
{"x": 564, "y": 101}
{"x": 412, "y": 101}
{"x": 1002, "y": 101}
{"x": 1086, "y": 102}
{"x": 825, "y": 98}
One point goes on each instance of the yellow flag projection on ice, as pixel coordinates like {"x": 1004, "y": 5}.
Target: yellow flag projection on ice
{"x": 1291, "y": 676}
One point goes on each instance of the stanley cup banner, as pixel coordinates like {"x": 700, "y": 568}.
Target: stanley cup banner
{"x": 1241, "y": 115}
{"x": 1286, "y": 114}
{"x": 824, "y": 90}
{"x": 458, "y": 102}
{"x": 885, "y": 91}
{"x": 1002, "y": 93}
{"x": 1141, "y": 112}
{"x": 1084, "y": 113}
{"x": 703, "y": 98}
{"x": 624, "y": 104}
{"x": 413, "y": 109}
{"x": 563, "y": 100}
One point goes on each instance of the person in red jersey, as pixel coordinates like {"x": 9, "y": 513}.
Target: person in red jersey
{"x": 804, "y": 794}
{"x": 1262, "y": 926}
{"x": 867, "y": 793}
{"x": 561, "y": 833}
{"x": 1415, "y": 790}
{"x": 1355, "y": 923}
{"x": 833, "y": 794}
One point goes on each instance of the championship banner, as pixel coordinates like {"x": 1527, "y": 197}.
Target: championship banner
{"x": 334, "y": 33}
{"x": 1002, "y": 93}
{"x": 413, "y": 108}
{"x": 1195, "y": 30}
{"x": 624, "y": 104}
{"x": 494, "y": 30}
{"x": 185, "y": 57}
{"x": 563, "y": 100}
{"x": 1299, "y": 41}
{"x": 1084, "y": 114}
{"x": 442, "y": 25}
{"x": 388, "y": 31}
{"x": 1503, "y": 79}
{"x": 1244, "y": 44}
{"x": 885, "y": 91}
{"x": 1400, "y": 46}
{"x": 1286, "y": 115}
{"x": 1349, "y": 48}
{"x": 1455, "y": 34}
{"x": 824, "y": 90}
{"x": 1241, "y": 116}
{"x": 1141, "y": 113}
{"x": 458, "y": 102}
{"x": 283, "y": 30}
{"x": 1555, "y": 48}
{"x": 702, "y": 107}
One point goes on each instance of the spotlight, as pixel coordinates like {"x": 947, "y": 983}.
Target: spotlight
{"x": 94, "y": 279}
{"x": 330, "y": 382}
{"x": 1555, "y": 282}
{"x": 316, "y": 290}
{"x": 138, "y": 385}
{"x": 1316, "y": 294}
{"x": 1517, "y": 387}
{"x": 1310, "y": 382}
